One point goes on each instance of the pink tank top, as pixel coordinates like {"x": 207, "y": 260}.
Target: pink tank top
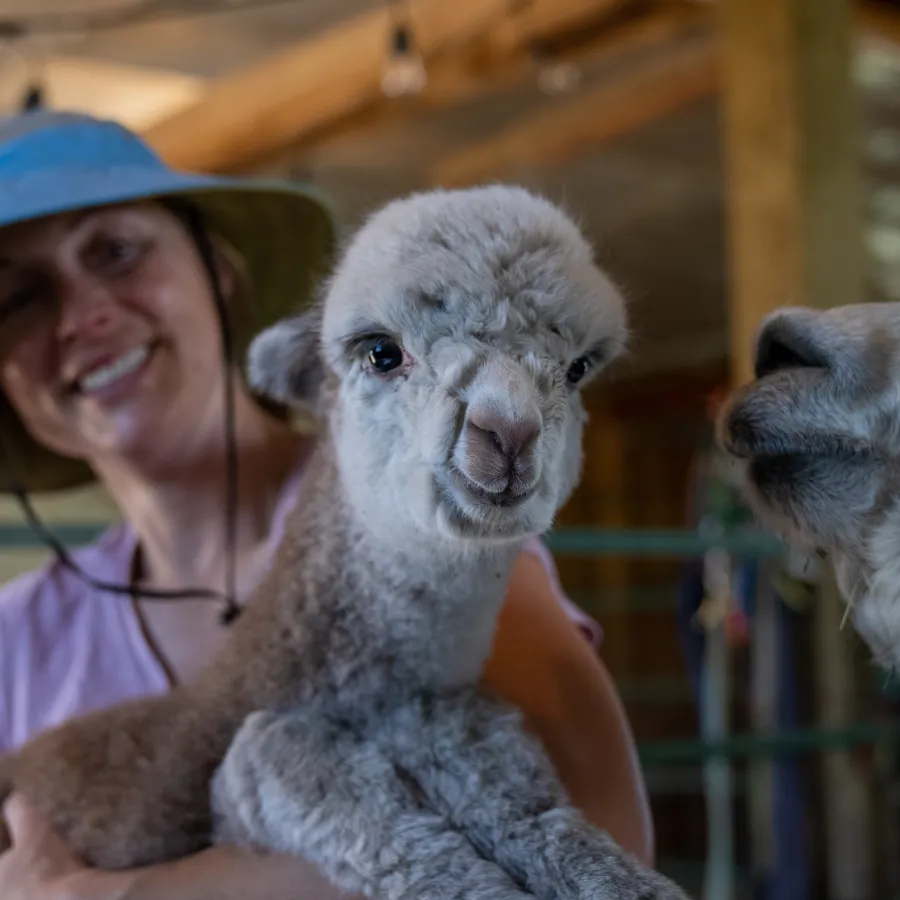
{"x": 65, "y": 651}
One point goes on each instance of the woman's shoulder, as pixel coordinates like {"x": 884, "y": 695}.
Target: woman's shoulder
{"x": 61, "y": 651}
{"x": 44, "y": 610}
{"x": 586, "y": 624}
{"x": 105, "y": 558}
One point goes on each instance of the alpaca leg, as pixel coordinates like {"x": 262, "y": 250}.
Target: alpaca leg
{"x": 475, "y": 762}
{"x": 296, "y": 784}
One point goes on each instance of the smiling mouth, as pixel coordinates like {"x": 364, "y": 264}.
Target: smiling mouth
{"x": 107, "y": 375}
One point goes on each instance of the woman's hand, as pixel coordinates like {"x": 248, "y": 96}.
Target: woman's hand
{"x": 40, "y": 866}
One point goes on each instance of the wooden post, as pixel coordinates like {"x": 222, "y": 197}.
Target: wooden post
{"x": 849, "y": 807}
{"x": 792, "y": 161}
{"x": 795, "y": 233}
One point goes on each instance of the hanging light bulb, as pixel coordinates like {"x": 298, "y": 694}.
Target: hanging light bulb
{"x": 553, "y": 76}
{"x": 33, "y": 97}
{"x": 26, "y": 51}
{"x": 558, "y": 77}
{"x": 404, "y": 72}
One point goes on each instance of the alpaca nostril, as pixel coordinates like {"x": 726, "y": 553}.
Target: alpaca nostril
{"x": 512, "y": 437}
{"x": 497, "y": 453}
{"x": 786, "y": 344}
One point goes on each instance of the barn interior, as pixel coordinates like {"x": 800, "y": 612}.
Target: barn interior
{"x": 726, "y": 157}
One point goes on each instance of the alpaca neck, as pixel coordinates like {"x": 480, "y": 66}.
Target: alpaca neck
{"x": 346, "y": 619}
{"x": 430, "y": 598}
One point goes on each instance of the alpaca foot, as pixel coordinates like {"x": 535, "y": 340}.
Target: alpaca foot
{"x": 297, "y": 784}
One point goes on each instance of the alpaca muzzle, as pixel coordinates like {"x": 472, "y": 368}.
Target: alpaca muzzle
{"x": 499, "y": 453}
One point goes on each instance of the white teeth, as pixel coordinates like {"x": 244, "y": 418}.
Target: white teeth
{"x": 124, "y": 365}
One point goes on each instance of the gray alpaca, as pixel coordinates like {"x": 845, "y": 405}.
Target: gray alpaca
{"x": 816, "y": 438}
{"x": 446, "y": 361}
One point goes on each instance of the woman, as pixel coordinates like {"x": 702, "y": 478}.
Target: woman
{"x": 111, "y": 367}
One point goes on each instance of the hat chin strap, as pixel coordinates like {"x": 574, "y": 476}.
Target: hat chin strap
{"x": 232, "y": 609}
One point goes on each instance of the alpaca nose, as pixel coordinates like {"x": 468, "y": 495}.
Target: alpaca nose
{"x": 794, "y": 340}
{"x": 500, "y": 448}
{"x": 512, "y": 436}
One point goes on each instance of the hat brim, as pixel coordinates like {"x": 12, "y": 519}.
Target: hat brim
{"x": 285, "y": 234}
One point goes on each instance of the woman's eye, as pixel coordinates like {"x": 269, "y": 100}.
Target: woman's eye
{"x": 18, "y": 300}
{"x": 578, "y": 369}
{"x": 117, "y": 252}
{"x": 384, "y": 355}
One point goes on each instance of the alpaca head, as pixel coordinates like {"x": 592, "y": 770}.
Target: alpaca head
{"x": 818, "y": 431}
{"x": 817, "y": 437}
{"x": 448, "y": 356}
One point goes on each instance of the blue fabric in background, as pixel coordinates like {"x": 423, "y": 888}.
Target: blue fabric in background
{"x": 790, "y": 877}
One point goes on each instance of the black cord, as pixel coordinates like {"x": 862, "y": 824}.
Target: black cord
{"x": 201, "y": 236}
{"x": 232, "y": 609}
{"x": 33, "y": 98}
{"x": 66, "y": 560}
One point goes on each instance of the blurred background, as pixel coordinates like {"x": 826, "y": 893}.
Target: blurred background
{"x": 725, "y": 157}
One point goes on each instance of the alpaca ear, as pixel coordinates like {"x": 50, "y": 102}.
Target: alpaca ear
{"x": 284, "y": 361}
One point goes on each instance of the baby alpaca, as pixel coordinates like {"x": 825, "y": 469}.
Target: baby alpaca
{"x": 817, "y": 437}
{"x": 447, "y": 360}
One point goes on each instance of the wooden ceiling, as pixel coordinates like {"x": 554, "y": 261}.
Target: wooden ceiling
{"x": 167, "y": 35}
{"x": 630, "y": 142}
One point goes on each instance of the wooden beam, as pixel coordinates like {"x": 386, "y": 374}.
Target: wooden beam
{"x": 248, "y": 114}
{"x": 584, "y": 34}
{"x": 791, "y": 144}
{"x": 136, "y": 96}
{"x": 659, "y": 80}
{"x": 464, "y": 78}
{"x": 256, "y": 111}
{"x": 539, "y": 20}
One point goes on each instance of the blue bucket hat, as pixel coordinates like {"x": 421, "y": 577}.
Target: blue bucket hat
{"x": 53, "y": 162}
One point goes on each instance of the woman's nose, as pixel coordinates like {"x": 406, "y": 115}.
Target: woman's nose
{"x": 86, "y": 311}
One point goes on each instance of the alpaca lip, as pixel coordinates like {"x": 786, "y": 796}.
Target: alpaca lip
{"x": 506, "y": 499}
{"x": 746, "y": 439}
{"x": 806, "y": 447}
{"x": 781, "y": 478}
{"x": 798, "y": 484}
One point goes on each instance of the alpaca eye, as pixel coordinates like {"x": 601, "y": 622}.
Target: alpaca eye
{"x": 385, "y": 355}
{"x": 578, "y": 369}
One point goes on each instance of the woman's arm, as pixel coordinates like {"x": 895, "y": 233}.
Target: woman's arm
{"x": 227, "y": 873}
{"x": 543, "y": 664}
{"x": 40, "y": 866}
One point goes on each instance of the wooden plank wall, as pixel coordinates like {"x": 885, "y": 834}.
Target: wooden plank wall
{"x": 639, "y": 449}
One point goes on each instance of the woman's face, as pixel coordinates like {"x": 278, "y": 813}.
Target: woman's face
{"x": 109, "y": 339}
